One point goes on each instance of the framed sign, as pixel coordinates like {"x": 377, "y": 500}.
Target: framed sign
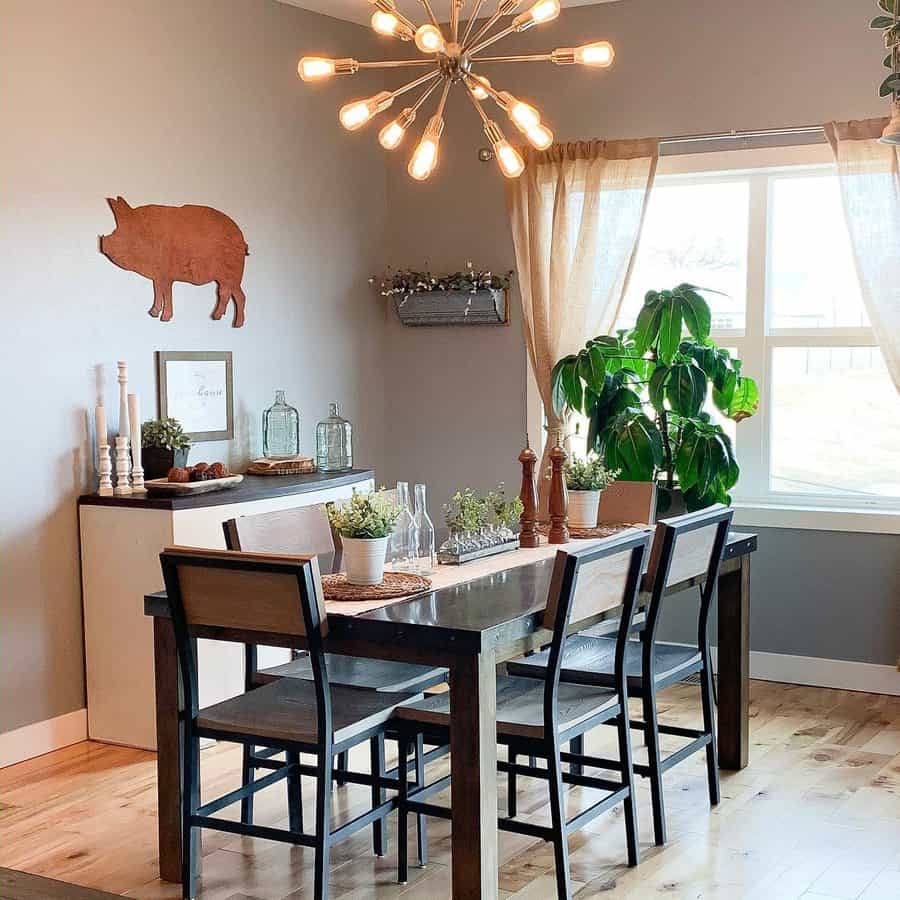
{"x": 196, "y": 389}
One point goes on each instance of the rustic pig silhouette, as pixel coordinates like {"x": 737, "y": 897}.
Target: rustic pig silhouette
{"x": 194, "y": 244}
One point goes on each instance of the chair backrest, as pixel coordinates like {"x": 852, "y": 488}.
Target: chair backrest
{"x": 304, "y": 530}
{"x": 587, "y": 583}
{"x": 255, "y": 592}
{"x": 685, "y": 549}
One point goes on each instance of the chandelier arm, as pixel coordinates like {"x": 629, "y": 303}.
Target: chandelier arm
{"x": 396, "y": 63}
{"x": 534, "y": 57}
{"x": 443, "y": 101}
{"x": 455, "y": 6}
{"x": 510, "y": 29}
{"x": 472, "y": 19}
{"x": 480, "y": 109}
{"x": 430, "y": 12}
{"x": 425, "y": 95}
{"x": 503, "y": 9}
{"x": 414, "y": 84}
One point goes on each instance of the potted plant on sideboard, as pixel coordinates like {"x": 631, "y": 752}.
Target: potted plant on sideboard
{"x": 644, "y": 393}
{"x": 365, "y": 523}
{"x": 164, "y": 446}
{"x": 586, "y": 479}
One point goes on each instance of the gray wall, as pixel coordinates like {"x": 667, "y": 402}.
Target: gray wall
{"x": 163, "y": 102}
{"x": 688, "y": 67}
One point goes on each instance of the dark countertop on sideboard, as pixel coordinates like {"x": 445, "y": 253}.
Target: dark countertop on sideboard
{"x": 253, "y": 487}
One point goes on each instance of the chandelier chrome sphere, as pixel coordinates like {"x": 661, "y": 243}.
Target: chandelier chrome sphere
{"x": 453, "y": 61}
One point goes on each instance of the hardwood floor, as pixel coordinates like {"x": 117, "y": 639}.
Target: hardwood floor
{"x": 816, "y": 815}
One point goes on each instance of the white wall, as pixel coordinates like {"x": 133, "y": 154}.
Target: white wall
{"x": 163, "y": 101}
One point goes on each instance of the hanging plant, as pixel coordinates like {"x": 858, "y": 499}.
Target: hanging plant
{"x": 891, "y": 27}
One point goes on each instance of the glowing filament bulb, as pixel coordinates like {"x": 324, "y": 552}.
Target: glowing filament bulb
{"x": 389, "y": 24}
{"x": 313, "y": 68}
{"x": 355, "y": 114}
{"x": 599, "y": 54}
{"x": 542, "y": 11}
{"x": 425, "y": 158}
{"x": 523, "y": 115}
{"x": 540, "y": 136}
{"x": 393, "y": 133}
{"x": 429, "y": 39}
{"x": 511, "y": 163}
{"x": 478, "y": 87}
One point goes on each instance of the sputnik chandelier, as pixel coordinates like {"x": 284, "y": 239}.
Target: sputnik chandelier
{"x": 453, "y": 62}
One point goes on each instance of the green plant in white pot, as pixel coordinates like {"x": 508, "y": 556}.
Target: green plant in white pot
{"x": 586, "y": 480}
{"x": 365, "y": 523}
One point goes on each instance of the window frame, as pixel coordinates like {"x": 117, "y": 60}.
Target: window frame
{"x": 755, "y": 501}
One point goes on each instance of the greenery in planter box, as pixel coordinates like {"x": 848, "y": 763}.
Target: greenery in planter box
{"x": 502, "y": 511}
{"x": 165, "y": 434}
{"x": 409, "y": 281}
{"x": 588, "y": 474}
{"x": 372, "y": 516}
{"x": 643, "y": 392}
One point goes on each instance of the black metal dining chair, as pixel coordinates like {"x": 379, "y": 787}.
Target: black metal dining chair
{"x": 534, "y": 719}
{"x": 306, "y": 530}
{"x": 268, "y": 594}
{"x": 685, "y": 548}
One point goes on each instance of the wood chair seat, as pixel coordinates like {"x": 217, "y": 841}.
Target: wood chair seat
{"x": 285, "y": 711}
{"x": 358, "y": 672}
{"x": 591, "y": 660}
{"x": 520, "y": 707}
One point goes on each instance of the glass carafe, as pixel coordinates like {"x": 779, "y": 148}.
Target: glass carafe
{"x": 334, "y": 442}
{"x": 281, "y": 430}
{"x": 401, "y": 550}
{"x": 426, "y": 558}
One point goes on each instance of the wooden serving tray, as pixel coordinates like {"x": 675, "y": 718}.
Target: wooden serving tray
{"x": 164, "y": 486}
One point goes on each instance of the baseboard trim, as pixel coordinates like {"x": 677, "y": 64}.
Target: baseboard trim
{"x": 843, "y": 674}
{"x": 42, "y": 737}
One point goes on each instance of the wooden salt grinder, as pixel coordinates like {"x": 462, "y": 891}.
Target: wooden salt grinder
{"x": 559, "y": 498}
{"x": 528, "y": 536}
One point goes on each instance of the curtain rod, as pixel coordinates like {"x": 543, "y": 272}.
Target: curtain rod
{"x": 811, "y": 130}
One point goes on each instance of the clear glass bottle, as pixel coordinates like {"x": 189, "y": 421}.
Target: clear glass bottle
{"x": 424, "y": 535}
{"x": 401, "y": 550}
{"x": 334, "y": 442}
{"x": 281, "y": 430}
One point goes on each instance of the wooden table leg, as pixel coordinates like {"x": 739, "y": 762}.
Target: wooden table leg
{"x": 473, "y": 761}
{"x": 168, "y": 753}
{"x": 734, "y": 666}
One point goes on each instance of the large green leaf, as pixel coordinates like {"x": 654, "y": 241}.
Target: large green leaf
{"x": 656, "y": 388}
{"x": 572, "y": 385}
{"x": 880, "y": 22}
{"x": 744, "y": 401}
{"x": 634, "y": 447}
{"x": 669, "y": 329}
{"x": 686, "y": 389}
{"x": 688, "y": 460}
{"x": 557, "y": 388}
{"x": 722, "y": 396}
{"x": 696, "y": 314}
{"x": 647, "y": 328}
{"x": 889, "y": 85}
{"x": 598, "y": 366}
{"x": 890, "y": 6}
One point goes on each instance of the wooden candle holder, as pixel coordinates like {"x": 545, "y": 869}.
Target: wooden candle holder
{"x": 559, "y": 498}
{"x": 528, "y": 535}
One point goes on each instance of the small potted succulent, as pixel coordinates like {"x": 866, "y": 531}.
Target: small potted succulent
{"x": 586, "y": 479}
{"x": 365, "y": 523}
{"x": 164, "y": 446}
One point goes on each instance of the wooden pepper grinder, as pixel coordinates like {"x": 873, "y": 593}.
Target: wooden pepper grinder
{"x": 559, "y": 498}
{"x": 528, "y": 535}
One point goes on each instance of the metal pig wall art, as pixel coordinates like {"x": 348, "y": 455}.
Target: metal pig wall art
{"x": 193, "y": 244}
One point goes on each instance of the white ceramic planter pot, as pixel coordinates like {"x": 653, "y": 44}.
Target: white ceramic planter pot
{"x": 583, "y": 506}
{"x": 364, "y": 559}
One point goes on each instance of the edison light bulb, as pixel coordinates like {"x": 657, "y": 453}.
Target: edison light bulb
{"x": 355, "y": 114}
{"x": 478, "y": 87}
{"x": 508, "y": 158}
{"x": 389, "y": 24}
{"x": 542, "y": 11}
{"x": 312, "y": 68}
{"x": 392, "y": 134}
{"x": 425, "y": 158}
{"x": 523, "y": 115}
{"x": 429, "y": 39}
{"x": 600, "y": 54}
{"x": 540, "y": 136}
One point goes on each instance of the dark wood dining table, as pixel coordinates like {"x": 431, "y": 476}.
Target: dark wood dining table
{"x": 470, "y": 628}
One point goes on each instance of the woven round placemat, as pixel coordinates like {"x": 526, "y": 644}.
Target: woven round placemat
{"x": 583, "y": 534}
{"x": 395, "y": 584}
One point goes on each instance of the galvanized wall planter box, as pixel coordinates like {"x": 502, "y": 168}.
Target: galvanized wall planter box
{"x": 454, "y": 308}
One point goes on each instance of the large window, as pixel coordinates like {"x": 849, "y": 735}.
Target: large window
{"x": 766, "y": 229}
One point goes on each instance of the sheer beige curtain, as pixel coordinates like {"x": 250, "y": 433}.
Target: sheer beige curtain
{"x": 870, "y": 187}
{"x": 576, "y": 215}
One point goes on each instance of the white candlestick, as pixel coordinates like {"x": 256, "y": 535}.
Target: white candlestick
{"x": 123, "y": 399}
{"x": 105, "y": 469}
{"x": 134, "y": 418}
{"x": 100, "y": 425}
{"x": 123, "y": 466}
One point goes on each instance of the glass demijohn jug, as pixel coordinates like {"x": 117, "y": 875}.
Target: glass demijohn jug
{"x": 423, "y": 529}
{"x": 281, "y": 430}
{"x": 402, "y": 552}
{"x": 334, "y": 442}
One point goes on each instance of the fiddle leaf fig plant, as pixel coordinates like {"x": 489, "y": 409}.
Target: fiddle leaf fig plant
{"x": 645, "y": 394}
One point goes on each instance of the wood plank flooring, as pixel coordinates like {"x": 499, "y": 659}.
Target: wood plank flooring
{"x": 816, "y": 815}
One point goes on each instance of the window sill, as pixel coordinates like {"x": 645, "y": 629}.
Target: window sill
{"x": 760, "y": 514}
